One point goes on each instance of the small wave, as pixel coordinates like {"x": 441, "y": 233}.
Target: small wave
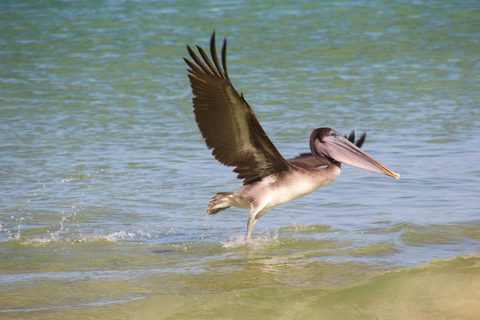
{"x": 301, "y": 228}
{"x": 82, "y": 238}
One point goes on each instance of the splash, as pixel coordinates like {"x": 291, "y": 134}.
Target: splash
{"x": 267, "y": 240}
{"x": 112, "y": 237}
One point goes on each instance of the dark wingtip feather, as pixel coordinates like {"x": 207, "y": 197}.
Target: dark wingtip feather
{"x": 224, "y": 57}
{"x": 199, "y": 62}
{"x": 213, "y": 53}
{"x": 351, "y": 137}
{"x": 213, "y": 69}
{"x": 361, "y": 140}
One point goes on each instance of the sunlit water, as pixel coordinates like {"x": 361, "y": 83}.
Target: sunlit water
{"x": 105, "y": 177}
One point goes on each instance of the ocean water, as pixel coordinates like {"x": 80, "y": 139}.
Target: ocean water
{"x": 105, "y": 177}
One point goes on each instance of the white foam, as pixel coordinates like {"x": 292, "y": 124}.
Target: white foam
{"x": 112, "y": 237}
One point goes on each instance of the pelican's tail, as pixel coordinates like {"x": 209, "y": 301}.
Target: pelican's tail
{"x": 219, "y": 202}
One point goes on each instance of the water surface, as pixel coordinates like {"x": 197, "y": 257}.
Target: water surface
{"x": 105, "y": 177}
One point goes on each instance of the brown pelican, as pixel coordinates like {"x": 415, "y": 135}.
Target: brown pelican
{"x": 229, "y": 127}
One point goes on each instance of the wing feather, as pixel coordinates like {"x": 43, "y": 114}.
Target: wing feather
{"x": 226, "y": 121}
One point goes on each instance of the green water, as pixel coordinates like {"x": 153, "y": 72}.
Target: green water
{"x": 105, "y": 178}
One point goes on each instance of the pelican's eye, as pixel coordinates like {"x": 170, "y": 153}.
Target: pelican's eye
{"x": 335, "y": 135}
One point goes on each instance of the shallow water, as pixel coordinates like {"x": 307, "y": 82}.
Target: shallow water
{"x": 105, "y": 177}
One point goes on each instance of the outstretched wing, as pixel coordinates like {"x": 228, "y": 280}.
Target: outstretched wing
{"x": 226, "y": 121}
{"x": 307, "y": 160}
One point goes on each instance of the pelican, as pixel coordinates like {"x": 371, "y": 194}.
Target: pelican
{"x": 229, "y": 127}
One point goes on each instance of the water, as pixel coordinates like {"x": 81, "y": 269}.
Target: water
{"x": 105, "y": 177}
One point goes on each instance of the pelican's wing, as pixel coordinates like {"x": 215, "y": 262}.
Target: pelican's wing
{"x": 227, "y": 122}
{"x": 307, "y": 160}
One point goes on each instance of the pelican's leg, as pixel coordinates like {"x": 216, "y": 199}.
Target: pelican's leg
{"x": 251, "y": 222}
{"x": 254, "y": 216}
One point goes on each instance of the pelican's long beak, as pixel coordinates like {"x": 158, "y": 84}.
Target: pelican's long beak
{"x": 342, "y": 150}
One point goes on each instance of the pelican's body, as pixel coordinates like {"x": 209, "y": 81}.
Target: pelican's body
{"x": 230, "y": 127}
{"x": 275, "y": 190}
{"x": 282, "y": 188}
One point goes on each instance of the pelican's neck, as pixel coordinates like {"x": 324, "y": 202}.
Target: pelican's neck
{"x": 328, "y": 174}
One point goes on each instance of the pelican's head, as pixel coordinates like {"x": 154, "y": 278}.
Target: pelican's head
{"x": 326, "y": 142}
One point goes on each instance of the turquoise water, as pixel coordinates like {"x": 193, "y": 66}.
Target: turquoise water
{"x": 105, "y": 177}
